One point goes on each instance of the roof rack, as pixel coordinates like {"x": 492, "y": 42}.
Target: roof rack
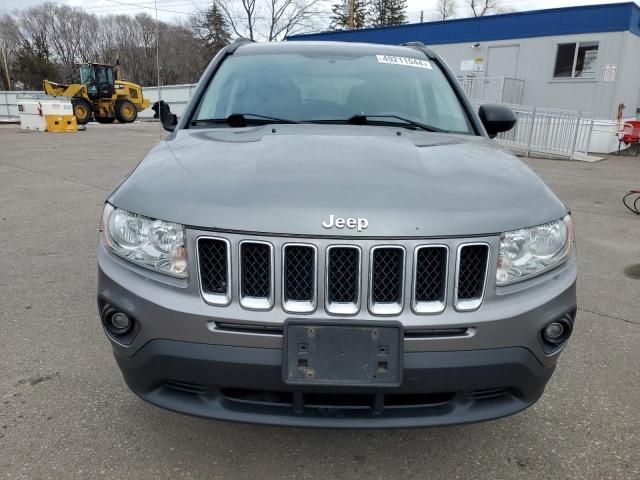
{"x": 238, "y": 42}
{"x": 418, "y": 45}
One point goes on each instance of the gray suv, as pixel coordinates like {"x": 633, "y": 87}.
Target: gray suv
{"x": 329, "y": 237}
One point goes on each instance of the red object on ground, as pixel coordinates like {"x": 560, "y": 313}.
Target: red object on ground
{"x": 630, "y": 138}
{"x": 634, "y": 135}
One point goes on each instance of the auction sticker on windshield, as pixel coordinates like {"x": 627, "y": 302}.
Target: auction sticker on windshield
{"x": 409, "y": 62}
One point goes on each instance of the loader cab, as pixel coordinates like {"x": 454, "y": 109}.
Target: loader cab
{"x": 99, "y": 79}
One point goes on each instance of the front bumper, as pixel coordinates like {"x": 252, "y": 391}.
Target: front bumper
{"x": 244, "y": 384}
{"x": 181, "y": 359}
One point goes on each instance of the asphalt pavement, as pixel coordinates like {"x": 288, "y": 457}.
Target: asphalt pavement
{"x": 65, "y": 412}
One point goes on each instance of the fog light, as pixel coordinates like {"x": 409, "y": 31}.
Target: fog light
{"x": 557, "y": 332}
{"x": 554, "y": 331}
{"x": 120, "y": 322}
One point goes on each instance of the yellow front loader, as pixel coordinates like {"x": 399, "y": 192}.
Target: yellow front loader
{"x": 101, "y": 95}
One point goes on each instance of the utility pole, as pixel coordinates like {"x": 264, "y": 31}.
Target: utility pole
{"x": 6, "y": 66}
{"x": 352, "y": 4}
{"x": 421, "y": 16}
{"x": 155, "y": 4}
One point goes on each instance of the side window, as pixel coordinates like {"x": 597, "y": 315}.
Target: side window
{"x": 576, "y": 60}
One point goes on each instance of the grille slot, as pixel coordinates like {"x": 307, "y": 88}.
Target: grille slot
{"x": 256, "y": 275}
{"x": 343, "y": 280}
{"x": 213, "y": 263}
{"x": 471, "y": 275}
{"x": 386, "y": 280}
{"x": 430, "y": 279}
{"x": 299, "y": 278}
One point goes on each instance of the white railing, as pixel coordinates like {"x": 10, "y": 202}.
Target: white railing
{"x": 549, "y": 132}
{"x": 493, "y": 89}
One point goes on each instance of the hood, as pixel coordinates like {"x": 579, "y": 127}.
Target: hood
{"x": 289, "y": 179}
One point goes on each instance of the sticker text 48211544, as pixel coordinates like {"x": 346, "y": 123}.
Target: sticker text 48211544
{"x": 406, "y": 61}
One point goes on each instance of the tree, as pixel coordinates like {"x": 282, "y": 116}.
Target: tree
{"x": 8, "y": 49}
{"x": 340, "y": 17}
{"x": 50, "y": 39}
{"x": 288, "y": 17}
{"x": 241, "y": 18}
{"x": 210, "y": 27}
{"x": 387, "y": 12}
{"x": 274, "y": 19}
{"x": 446, "y": 9}
{"x": 482, "y": 8}
{"x": 33, "y": 58}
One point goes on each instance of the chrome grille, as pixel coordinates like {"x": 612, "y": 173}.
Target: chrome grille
{"x": 430, "y": 279}
{"x": 313, "y": 274}
{"x": 213, "y": 262}
{"x": 343, "y": 279}
{"x": 299, "y": 278}
{"x": 256, "y": 275}
{"x": 386, "y": 280}
{"x": 472, "y": 272}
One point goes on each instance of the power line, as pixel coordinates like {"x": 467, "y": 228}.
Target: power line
{"x": 148, "y": 4}
{"x": 146, "y": 7}
{"x": 142, "y": 5}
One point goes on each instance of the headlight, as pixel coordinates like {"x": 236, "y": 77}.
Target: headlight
{"x": 152, "y": 243}
{"x": 531, "y": 251}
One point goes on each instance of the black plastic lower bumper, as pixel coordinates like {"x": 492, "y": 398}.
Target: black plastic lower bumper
{"x": 245, "y": 384}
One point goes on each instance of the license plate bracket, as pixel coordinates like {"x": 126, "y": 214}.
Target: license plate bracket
{"x": 343, "y": 353}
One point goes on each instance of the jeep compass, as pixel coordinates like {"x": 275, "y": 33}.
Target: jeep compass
{"x": 331, "y": 237}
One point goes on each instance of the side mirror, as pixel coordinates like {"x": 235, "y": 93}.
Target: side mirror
{"x": 496, "y": 118}
{"x": 169, "y": 122}
{"x": 163, "y": 112}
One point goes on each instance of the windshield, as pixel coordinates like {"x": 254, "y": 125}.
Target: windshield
{"x": 325, "y": 87}
{"x": 86, "y": 74}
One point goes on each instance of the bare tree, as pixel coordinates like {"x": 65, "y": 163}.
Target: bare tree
{"x": 270, "y": 19}
{"x": 287, "y": 17}
{"x": 481, "y": 8}
{"x": 9, "y": 45}
{"x": 240, "y": 15}
{"x": 446, "y": 9}
{"x": 49, "y": 41}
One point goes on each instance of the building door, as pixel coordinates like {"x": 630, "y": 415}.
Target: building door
{"x": 502, "y": 61}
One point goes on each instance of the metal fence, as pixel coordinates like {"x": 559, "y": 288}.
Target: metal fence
{"x": 549, "y": 132}
{"x": 493, "y": 89}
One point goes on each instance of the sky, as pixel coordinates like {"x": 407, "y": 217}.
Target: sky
{"x": 170, "y": 9}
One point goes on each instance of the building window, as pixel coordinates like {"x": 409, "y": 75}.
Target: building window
{"x": 576, "y": 60}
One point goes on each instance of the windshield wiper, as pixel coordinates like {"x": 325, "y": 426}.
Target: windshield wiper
{"x": 364, "y": 120}
{"x": 241, "y": 120}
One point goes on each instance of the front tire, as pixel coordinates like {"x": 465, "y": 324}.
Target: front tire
{"x": 126, "y": 111}
{"x": 82, "y": 110}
